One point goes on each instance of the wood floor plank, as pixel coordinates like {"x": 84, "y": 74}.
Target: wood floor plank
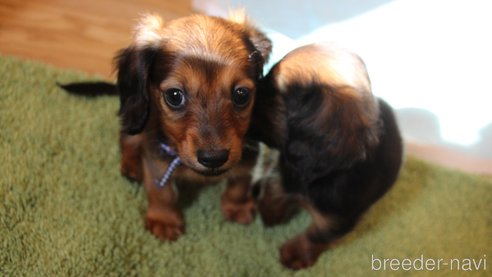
{"x": 76, "y": 34}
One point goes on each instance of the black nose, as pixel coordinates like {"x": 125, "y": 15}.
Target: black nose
{"x": 212, "y": 158}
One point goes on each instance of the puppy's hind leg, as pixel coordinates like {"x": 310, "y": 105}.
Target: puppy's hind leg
{"x": 303, "y": 250}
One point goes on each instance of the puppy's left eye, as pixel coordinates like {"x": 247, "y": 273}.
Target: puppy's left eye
{"x": 175, "y": 98}
{"x": 240, "y": 97}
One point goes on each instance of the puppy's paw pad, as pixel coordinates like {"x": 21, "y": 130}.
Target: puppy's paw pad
{"x": 165, "y": 228}
{"x": 298, "y": 254}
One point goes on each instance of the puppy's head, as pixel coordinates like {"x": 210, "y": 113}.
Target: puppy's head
{"x": 329, "y": 116}
{"x": 194, "y": 79}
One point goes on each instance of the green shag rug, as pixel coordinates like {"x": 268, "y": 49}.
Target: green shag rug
{"x": 65, "y": 209}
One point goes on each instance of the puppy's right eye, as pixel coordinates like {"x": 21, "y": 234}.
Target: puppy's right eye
{"x": 240, "y": 97}
{"x": 175, "y": 98}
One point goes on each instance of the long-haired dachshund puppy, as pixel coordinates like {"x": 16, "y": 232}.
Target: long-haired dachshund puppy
{"x": 187, "y": 89}
{"x": 340, "y": 147}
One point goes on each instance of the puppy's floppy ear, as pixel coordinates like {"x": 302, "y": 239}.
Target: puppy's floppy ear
{"x": 259, "y": 40}
{"x": 133, "y": 65}
{"x": 260, "y": 56}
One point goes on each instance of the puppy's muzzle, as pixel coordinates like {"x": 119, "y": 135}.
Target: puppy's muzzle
{"x": 212, "y": 158}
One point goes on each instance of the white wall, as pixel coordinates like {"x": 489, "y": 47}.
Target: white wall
{"x": 430, "y": 59}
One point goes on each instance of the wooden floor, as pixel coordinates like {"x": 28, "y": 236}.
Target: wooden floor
{"x": 85, "y": 35}
{"x": 81, "y": 34}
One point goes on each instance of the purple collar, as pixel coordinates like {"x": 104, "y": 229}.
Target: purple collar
{"x": 166, "y": 149}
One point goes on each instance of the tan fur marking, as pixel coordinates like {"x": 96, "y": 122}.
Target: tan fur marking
{"x": 213, "y": 38}
{"x": 208, "y": 104}
{"x": 148, "y": 31}
{"x": 216, "y": 39}
{"x": 324, "y": 63}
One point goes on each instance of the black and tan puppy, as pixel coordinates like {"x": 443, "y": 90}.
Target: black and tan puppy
{"x": 340, "y": 147}
{"x": 187, "y": 89}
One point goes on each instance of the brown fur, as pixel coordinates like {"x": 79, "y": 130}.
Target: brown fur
{"x": 131, "y": 162}
{"x": 206, "y": 58}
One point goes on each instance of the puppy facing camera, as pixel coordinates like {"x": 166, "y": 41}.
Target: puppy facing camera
{"x": 187, "y": 89}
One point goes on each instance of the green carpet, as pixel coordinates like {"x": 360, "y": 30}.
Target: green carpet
{"x": 65, "y": 209}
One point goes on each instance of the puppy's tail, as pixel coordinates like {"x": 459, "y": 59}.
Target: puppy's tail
{"x": 90, "y": 89}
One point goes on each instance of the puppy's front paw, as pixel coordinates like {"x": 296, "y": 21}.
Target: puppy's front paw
{"x": 299, "y": 252}
{"x": 165, "y": 224}
{"x": 242, "y": 212}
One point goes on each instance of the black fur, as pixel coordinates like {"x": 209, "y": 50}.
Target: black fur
{"x": 90, "y": 89}
{"x": 328, "y": 157}
{"x": 133, "y": 67}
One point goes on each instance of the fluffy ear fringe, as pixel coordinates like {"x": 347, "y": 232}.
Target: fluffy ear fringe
{"x": 147, "y": 32}
{"x": 238, "y": 16}
{"x": 261, "y": 42}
